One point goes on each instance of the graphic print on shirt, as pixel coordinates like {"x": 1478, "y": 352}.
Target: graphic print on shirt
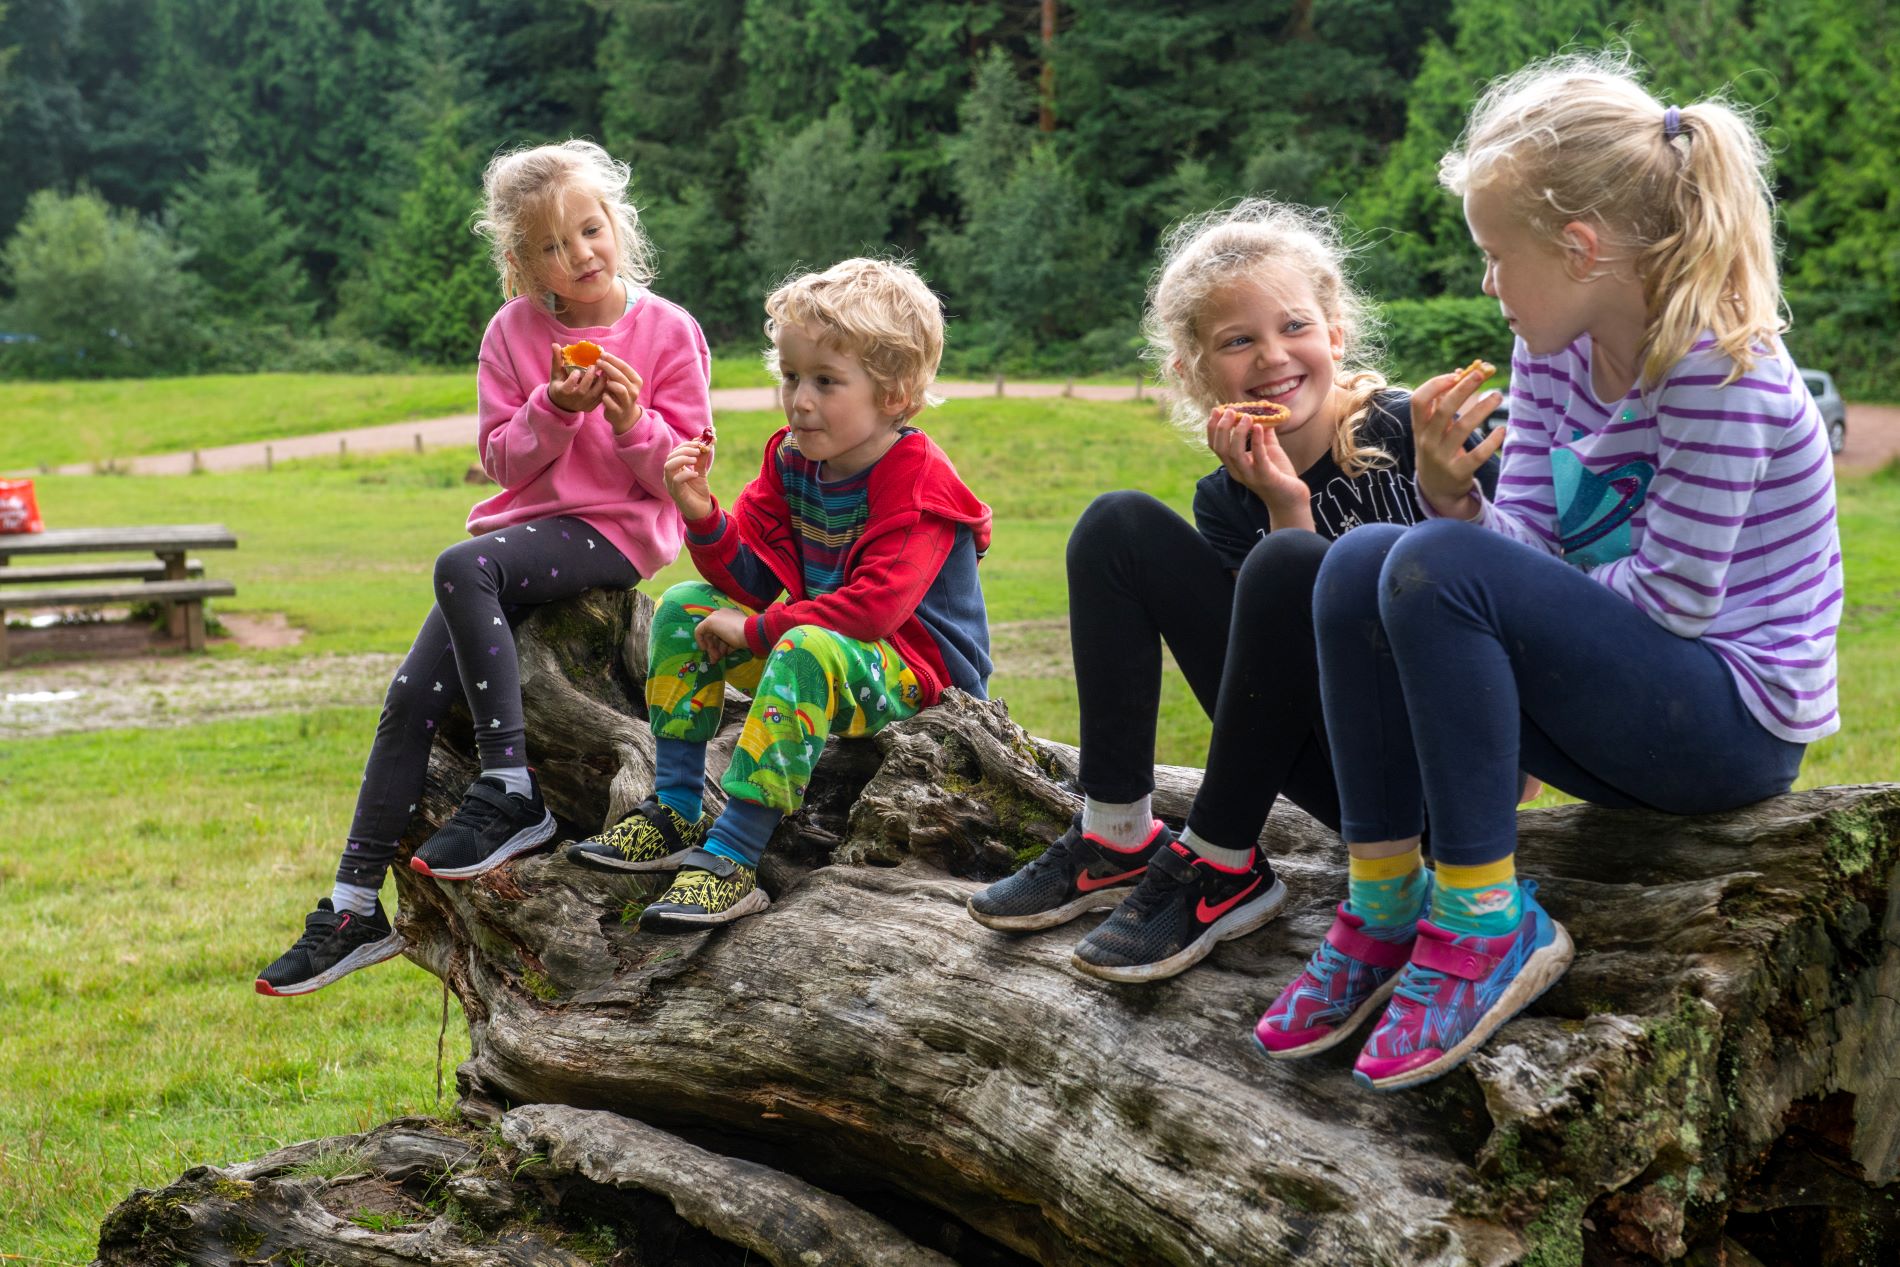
{"x": 1379, "y": 496}
{"x": 1594, "y": 511}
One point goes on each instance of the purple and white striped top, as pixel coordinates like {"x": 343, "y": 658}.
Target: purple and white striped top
{"x": 1711, "y": 508}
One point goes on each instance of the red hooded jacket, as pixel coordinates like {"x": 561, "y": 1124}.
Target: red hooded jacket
{"x": 917, "y": 504}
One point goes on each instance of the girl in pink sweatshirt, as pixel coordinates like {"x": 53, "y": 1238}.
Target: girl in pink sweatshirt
{"x": 578, "y": 439}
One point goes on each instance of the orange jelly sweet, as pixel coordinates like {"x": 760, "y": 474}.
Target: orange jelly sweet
{"x": 582, "y": 354}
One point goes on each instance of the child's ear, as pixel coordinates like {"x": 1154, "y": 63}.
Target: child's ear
{"x": 1336, "y": 334}
{"x": 896, "y": 404}
{"x": 1582, "y": 248}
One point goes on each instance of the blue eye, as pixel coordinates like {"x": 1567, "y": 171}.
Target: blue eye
{"x": 1237, "y": 340}
{"x": 1294, "y": 327}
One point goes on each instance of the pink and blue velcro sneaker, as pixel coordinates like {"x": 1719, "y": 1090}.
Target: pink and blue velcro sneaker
{"x": 1345, "y": 982}
{"x": 1455, "y": 993}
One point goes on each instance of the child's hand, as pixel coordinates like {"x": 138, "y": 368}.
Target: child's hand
{"x": 1252, "y": 455}
{"x": 1446, "y": 410}
{"x": 572, "y": 389}
{"x": 621, "y": 402}
{"x": 721, "y": 633}
{"x": 686, "y": 469}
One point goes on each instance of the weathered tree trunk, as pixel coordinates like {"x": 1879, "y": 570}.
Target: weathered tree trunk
{"x": 1720, "y": 1060}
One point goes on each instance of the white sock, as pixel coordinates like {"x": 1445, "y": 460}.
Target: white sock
{"x": 1232, "y": 859}
{"x": 1123, "y": 826}
{"x": 353, "y": 897}
{"x": 514, "y": 778}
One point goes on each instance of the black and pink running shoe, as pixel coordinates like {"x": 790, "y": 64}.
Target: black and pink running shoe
{"x": 1075, "y": 875}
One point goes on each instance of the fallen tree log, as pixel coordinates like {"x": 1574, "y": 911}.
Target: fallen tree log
{"x": 1735, "y": 985}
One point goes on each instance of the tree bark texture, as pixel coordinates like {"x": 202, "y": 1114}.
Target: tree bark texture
{"x": 1720, "y": 1061}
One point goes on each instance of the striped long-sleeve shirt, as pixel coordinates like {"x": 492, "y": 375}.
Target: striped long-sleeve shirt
{"x": 1709, "y": 507}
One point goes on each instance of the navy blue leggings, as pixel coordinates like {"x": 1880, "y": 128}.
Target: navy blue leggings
{"x": 1451, "y": 658}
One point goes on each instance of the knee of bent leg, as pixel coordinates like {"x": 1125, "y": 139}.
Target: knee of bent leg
{"x": 1285, "y": 562}
{"x": 1425, "y": 557}
{"x": 461, "y": 564}
{"x": 1111, "y": 520}
{"x": 678, "y": 598}
{"x": 1348, "y": 582}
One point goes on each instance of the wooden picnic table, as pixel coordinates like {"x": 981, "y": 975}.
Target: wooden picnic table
{"x": 170, "y": 584}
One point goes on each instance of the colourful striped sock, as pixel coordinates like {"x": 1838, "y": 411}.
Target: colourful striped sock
{"x": 1483, "y": 899}
{"x": 1387, "y": 893}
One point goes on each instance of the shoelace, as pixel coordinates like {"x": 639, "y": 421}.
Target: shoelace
{"x": 1328, "y": 961}
{"x": 1418, "y": 985}
{"x": 1056, "y": 853}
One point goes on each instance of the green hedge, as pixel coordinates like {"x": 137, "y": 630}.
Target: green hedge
{"x": 1424, "y": 337}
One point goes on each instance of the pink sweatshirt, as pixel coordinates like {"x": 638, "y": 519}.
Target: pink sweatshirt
{"x": 553, "y": 462}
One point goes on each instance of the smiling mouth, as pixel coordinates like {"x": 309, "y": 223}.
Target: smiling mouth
{"x": 1277, "y": 391}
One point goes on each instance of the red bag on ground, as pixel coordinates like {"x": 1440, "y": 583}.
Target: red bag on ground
{"x": 19, "y": 512}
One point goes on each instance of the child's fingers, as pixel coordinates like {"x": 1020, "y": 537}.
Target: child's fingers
{"x": 557, "y": 370}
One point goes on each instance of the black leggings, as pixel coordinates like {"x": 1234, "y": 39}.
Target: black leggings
{"x": 484, "y": 586}
{"x": 1140, "y": 575}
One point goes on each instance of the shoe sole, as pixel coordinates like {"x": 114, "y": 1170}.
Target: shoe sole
{"x": 604, "y": 862}
{"x": 1236, "y": 923}
{"x": 1036, "y": 921}
{"x": 522, "y": 841}
{"x": 1374, "y": 1003}
{"x": 666, "y": 922}
{"x": 362, "y": 957}
{"x": 1543, "y": 970}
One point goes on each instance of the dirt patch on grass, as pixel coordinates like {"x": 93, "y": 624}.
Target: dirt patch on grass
{"x": 122, "y": 683}
{"x": 181, "y": 691}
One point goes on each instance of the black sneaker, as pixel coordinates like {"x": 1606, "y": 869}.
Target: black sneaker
{"x": 652, "y": 838}
{"x": 332, "y": 945}
{"x": 492, "y": 826}
{"x": 1183, "y": 906}
{"x": 710, "y": 889}
{"x": 1073, "y": 876}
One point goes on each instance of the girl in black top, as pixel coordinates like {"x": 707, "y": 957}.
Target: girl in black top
{"x": 1249, "y": 304}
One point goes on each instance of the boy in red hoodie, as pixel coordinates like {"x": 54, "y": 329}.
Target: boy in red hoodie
{"x": 841, "y": 590}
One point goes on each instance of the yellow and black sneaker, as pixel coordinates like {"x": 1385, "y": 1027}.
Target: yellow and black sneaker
{"x": 652, "y": 838}
{"x": 709, "y": 890}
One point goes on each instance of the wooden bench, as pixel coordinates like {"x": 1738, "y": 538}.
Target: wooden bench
{"x": 131, "y": 571}
{"x": 173, "y": 580}
{"x": 186, "y": 597}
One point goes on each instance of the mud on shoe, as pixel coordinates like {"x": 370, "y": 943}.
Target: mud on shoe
{"x": 492, "y": 826}
{"x": 652, "y": 838}
{"x": 332, "y": 946}
{"x": 1343, "y": 985}
{"x": 710, "y": 889}
{"x": 1183, "y": 907}
{"x": 1456, "y": 991}
{"x": 1075, "y": 875}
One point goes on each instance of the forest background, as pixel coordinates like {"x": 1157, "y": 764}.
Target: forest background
{"x": 193, "y": 185}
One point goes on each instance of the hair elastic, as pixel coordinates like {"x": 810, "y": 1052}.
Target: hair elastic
{"x": 1672, "y": 123}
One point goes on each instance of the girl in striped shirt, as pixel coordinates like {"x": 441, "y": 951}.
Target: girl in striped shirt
{"x": 1644, "y": 614}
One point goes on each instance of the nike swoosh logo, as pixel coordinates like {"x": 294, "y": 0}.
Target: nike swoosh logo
{"x": 1088, "y": 883}
{"x": 1208, "y": 914}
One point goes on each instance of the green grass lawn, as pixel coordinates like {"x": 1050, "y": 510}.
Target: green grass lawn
{"x": 55, "y": 423}
{"x": 146, "y": 880}
{"x": 71, "y": 421}
{"x": 148, "y": 875}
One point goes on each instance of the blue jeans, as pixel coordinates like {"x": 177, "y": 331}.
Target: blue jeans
{"x": 1451, "y": 658}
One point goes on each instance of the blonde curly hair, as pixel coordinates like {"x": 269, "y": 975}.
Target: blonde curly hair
{"x": 1260, "y": 240}
{"x": 1682, "y": 197}
{"x": 521, "y": 198}
{"x": 880, "y": 311}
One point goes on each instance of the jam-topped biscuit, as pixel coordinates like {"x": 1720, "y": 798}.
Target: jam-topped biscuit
{"x": 1481, "y": 367}
{"x": 581, "y": 355}
{"x": 1264, "y": 412}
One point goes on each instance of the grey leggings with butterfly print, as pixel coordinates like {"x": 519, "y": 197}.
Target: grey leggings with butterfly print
{"x": 466, "y": 650}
